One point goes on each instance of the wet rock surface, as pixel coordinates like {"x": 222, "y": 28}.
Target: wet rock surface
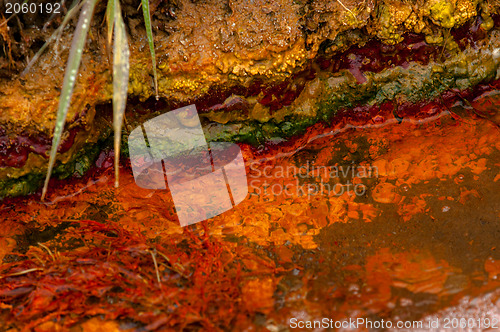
{"x": 293, "y": 63}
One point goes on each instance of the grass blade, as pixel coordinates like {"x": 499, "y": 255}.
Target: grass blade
{"x": 110, "y": 20}
{"x": 149, "y": 33}
{"x": 121, "y": 66}
{"x": 74, "y": 59}
{"x": 54, "y": 36}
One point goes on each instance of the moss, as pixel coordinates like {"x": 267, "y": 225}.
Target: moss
{"x": 320, "y": 100}
{"x": 350, "y": 18}
{"x": 464, "y": 10}
{"x": 30, "y": 183}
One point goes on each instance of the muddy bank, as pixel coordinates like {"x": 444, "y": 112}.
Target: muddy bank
{"x": 274, "y": 52}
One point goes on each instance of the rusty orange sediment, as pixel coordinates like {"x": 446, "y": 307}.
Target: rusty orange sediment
{"x": 373, "y": 169}
{"x": 420, "y": 238}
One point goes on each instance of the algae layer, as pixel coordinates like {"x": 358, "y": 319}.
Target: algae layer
{"x": 228, "y": 64}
